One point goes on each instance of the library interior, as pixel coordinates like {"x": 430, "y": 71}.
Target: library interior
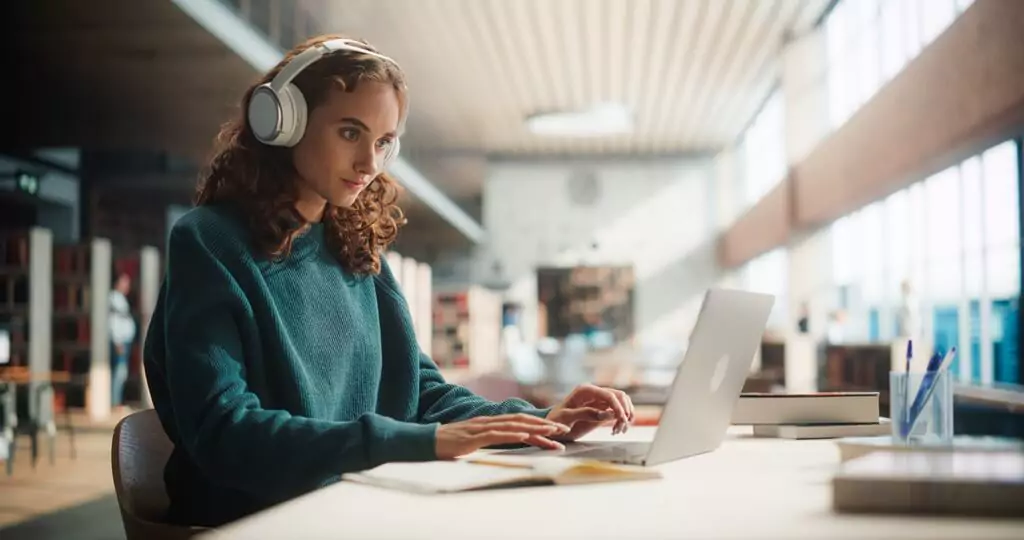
{"x": 676, "y": 262}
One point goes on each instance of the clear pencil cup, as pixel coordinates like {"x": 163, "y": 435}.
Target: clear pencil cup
{"x": 921, "y": 407}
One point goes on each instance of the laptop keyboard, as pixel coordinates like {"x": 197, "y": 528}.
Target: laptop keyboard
{"x": 618, "y": 452}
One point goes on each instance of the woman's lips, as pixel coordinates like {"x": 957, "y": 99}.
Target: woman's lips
{"x": 354, "y": 183}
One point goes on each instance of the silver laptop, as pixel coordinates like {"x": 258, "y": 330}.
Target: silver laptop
{"x": 706, "y": 387}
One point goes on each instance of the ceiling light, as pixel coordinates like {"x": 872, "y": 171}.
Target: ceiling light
{"x": 600, "y": 120}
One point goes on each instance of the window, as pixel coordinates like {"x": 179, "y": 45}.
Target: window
{"x": 768, "y": 274}
{"x": 870, "y": 41}
{"x": 893, "y": 52}
{"x": 955, "y": 237}
{"x": 763, "y": 150}
{"x": 937, "y": 15}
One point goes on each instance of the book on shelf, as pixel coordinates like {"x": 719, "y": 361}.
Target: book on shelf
{"x": 807, "y": 408}
{"x": 823, "y": 431}
{"x": 15, "y": 277}
{"x": 937, "y": 483}
{"x": 489, "y": 471}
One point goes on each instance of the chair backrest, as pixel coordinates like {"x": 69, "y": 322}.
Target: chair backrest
{"x": 139, "y": 452}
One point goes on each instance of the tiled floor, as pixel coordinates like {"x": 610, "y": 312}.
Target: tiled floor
{"x": 71, "y": 498}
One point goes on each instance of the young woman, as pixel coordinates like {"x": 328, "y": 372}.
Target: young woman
{"x": 281, "y": 353}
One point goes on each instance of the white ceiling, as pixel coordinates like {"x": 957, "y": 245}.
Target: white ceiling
{"x": 692, "y": 71}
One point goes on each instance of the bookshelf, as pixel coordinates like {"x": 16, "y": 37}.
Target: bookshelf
{"x": 81, "y": 284}
{"x": 467, "y": 330}
{"x": 25, "y": 301}
{"x": 576, "y": 298}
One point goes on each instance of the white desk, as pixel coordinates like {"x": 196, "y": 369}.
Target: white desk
{"x": 748, "y": 488}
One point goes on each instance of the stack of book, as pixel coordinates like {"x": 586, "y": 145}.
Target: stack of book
{"x": 967, "y": 483}
{"x": 818, "y": 415}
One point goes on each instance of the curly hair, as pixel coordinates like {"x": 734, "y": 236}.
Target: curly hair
{"x": 259, "y": 178}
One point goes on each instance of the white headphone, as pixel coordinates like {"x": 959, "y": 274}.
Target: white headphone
{"x": 277, "y": 110}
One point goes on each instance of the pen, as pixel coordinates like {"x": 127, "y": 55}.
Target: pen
{"x": 928, "y": 386}
{"x": 906, "y": 385}
{"x": 911, "y": 405}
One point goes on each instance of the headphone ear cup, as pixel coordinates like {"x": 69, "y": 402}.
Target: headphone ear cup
{"x": 293, "y": 116}
{"x": 264, "y": 114}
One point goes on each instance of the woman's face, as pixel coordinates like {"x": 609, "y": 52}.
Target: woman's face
{"x": 343, "y": 149}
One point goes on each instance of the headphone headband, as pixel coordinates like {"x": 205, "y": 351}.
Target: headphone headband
{"x": 315, "y": 52}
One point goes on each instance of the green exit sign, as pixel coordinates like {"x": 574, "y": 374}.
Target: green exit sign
{"x": 27, "y": 182}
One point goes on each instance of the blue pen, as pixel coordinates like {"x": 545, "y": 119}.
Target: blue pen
{"x": 906, "y": 385}
{"x": 936, "y": 365}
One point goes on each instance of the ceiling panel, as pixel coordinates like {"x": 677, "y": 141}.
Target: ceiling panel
{"x": 692, "y": 72}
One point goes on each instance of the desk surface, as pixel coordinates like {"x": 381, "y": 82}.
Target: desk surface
{"x": 748, "y": 488}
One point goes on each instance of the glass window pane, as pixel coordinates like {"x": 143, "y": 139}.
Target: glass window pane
{"x": 838, "y": 87}
{"x": 837, "y": 34}
{"x": 936, "y": 16}
{"x": 1000, "y": 189}
{"x": 970, "y": 174}
{"x": 868, "y": 58}
{"x": 872, "y": 252}
{"x": 945, "y": 241}
{"x": 918, "y": 233}
{"x": 866, "y": 13}
{"x": 911, "y": 27}
{"x": 842, "y": 263}
{"x": 973, "y": 275}
{"x": 893, "y": 51}
{"x": 1002, "y": 269}
{"x": 944, "y": 283}
{"x": 897, "y": 234}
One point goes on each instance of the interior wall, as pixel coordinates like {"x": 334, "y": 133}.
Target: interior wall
{"x": 658, "y": 216}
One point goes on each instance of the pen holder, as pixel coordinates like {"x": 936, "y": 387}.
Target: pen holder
{"x": 920, "y": 416}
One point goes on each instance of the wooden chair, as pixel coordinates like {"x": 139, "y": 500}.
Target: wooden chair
{"x": 139, "y": 451}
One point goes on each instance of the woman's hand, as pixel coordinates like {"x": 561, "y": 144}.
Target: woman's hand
{"x": 589, "y": 406}
{"x": 459, "y": 438}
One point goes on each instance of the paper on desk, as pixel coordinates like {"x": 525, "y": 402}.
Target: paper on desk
{"x": 440, "y": 476}
{"x": 477, "y": 472}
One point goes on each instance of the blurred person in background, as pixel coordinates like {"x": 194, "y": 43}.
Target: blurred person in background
{"x": 281, "y": 352}
{"x": 122, "y": 335}
{"x": 907, "y": 316}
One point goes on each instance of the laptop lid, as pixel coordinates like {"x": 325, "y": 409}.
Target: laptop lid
{"x": 709, "y": 380}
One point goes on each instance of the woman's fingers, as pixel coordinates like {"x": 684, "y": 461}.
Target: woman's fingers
{"x": 521, "y": 427}
{"x": 521, "y": 418}
{"x": 494, "y": 437}
{"x": 614, "y": 402}
{"x": 544, "y": 442}
{"x": 587, "y": 414}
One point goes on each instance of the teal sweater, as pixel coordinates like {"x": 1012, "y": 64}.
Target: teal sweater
{"x": 273, "y": 378}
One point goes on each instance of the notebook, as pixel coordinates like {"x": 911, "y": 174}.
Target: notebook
{"x": 496, "y": 471}
{"x": 823, "y": 431}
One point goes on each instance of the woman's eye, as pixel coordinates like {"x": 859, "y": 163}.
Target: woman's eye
{"x": 350, "y": 134}
{"x": 384, "y": 144}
